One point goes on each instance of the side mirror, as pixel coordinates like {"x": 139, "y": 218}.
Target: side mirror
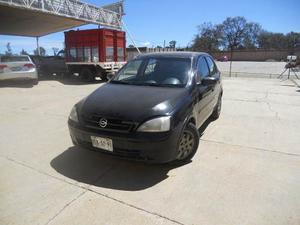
{"x": 110, "y": 76}
{"x": 209, "y": 81}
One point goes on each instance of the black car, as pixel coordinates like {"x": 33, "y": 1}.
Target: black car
{"x": 151, "y": 109}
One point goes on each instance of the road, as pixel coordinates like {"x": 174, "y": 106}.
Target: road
{"x": 246, "y": 170}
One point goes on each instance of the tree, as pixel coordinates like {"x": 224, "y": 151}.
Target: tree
{"x": 158, "y": 46}
{"x": 172, "y": 44}
{"x": 42, "y": 51}
{"x": 131, "y": 46}
{"x": 23, "y": 52}
{"x": 55, "y": 50}
{"x": 208, "y": 38}
{"x": 235, "y": 31}
{"x": 269, "y": 40}
{"x": 8, "y": 49}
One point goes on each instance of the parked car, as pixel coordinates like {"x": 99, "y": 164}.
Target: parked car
{"x": 17, "y": 67}
{"x": 151, "y": 109}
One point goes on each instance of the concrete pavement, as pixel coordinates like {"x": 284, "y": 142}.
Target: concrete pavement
{"x": 246, "y": 170}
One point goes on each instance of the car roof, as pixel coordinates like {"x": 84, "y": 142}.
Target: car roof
{"x": 172, "y": 54}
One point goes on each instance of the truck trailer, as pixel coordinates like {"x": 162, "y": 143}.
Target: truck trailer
{"x": 95, "y": 53}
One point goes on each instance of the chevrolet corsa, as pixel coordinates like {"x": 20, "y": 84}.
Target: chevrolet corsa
{"x": 151, "y": 109}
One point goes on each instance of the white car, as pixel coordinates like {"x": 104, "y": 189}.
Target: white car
{"x": 18, "y": 67}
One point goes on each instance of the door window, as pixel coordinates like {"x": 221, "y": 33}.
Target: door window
{"x": 211, "y": 66}
{"x": 202, "y": 69}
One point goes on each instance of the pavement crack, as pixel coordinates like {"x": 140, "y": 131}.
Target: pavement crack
{"x": 135, "y": 207}
{"x": 255, "y": 148}
{"x": 86, "y": 188}
{"x": 65, "y": 206}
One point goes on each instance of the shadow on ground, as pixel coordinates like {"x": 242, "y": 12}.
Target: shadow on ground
{"x": 16, "y": 84}
{"x": 70, "y": 80}
{"x": 106, "y": 171}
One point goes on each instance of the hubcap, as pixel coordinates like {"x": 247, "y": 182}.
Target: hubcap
{"x": 186, "y": 145}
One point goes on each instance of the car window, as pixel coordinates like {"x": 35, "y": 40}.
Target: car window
{"x": 211, "y": 65}
{"x": 150, "y": 66}
{"x": 130, "y": 70}
{"x": 202, "y": 68}
{"x": 14, "y": 59}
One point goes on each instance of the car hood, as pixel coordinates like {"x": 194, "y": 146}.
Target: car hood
{"x": 132, "y": 103}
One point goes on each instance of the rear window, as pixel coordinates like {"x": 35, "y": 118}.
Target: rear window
{"x": 14, "y": 59}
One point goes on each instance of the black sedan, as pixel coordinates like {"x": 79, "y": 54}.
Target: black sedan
{"x": 151, "y": 109}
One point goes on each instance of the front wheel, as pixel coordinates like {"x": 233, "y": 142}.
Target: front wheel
{"x": 188, "y": 143}
{"x": 35, "y": 81}
{"x": 86, "y": 75}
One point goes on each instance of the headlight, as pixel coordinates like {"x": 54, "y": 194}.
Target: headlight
{"x": 160, "y": 124}
{"x": 73, "y": 115}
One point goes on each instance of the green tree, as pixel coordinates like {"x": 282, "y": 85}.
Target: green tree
{"x": 8, "y": 49}
{"x": 235, "y": 31}
{"x": 42, "y": 51}
{"x": 172, "y": 44}
{"x": 23, "y": 52}
{"x": 55, "y": 50}
{"x": 207, "y": 39}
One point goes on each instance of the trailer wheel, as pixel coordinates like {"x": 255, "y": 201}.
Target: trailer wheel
{"x": 103, "y": 76}
{"x": 86, "y": 75}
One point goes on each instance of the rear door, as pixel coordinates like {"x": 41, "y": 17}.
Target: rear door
{"x": 203, "y": 92}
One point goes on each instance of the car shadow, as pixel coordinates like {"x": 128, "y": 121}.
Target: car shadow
{"x": 106, "y": 171}
{"x": 16, "y": 84}
{"x": 70, "y": 80}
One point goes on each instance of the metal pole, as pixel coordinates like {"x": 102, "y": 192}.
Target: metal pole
{"x": 131, "y": 38}
{"x": 37, "y": 46}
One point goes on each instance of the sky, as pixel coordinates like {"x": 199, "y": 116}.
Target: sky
{"x": 152, "y": 21}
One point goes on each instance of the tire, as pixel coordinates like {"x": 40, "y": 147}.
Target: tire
{"x": 86, "y": 75}
{"x": 188, "y": 144}
{"x": 35, "y": 81}
{"x": 103, "y": 76}
{"x": 217, "y": 110}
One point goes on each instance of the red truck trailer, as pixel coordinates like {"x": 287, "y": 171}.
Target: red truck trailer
{"x": 95, "y": 53}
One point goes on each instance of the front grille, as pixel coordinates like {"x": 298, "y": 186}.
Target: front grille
{"x": 112, "y": 124}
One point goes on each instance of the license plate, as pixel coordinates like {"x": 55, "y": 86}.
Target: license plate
{"x": 17, "y": 68}
{"x": 102, "y": 143}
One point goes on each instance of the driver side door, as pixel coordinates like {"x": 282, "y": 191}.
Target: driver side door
{"x": 204, "y": 92}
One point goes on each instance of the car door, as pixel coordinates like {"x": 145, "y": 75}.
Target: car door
{"x": 203, "y": 91}
{"x": 215, "y": 88}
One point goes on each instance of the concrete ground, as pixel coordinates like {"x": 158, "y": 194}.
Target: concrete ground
{"x": 246, "y": 170}
{"x": 253, "y": 67}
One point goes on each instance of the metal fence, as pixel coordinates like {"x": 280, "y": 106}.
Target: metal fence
{"x": 110, "y": 15}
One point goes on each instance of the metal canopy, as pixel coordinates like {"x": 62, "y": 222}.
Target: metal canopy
{"x": 37, "y": 18}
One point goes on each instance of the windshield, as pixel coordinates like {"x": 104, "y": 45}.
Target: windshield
{"x": 171, "y": 72}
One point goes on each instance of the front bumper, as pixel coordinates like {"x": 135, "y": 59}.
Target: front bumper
{"x": 150, "y": 147}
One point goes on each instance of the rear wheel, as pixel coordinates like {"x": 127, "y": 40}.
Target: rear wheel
{"x": 188, "y": 143}
{"x": 35, "y": 81}
{"x": 86, "y": 75}
{"x": 103, "y": 76}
